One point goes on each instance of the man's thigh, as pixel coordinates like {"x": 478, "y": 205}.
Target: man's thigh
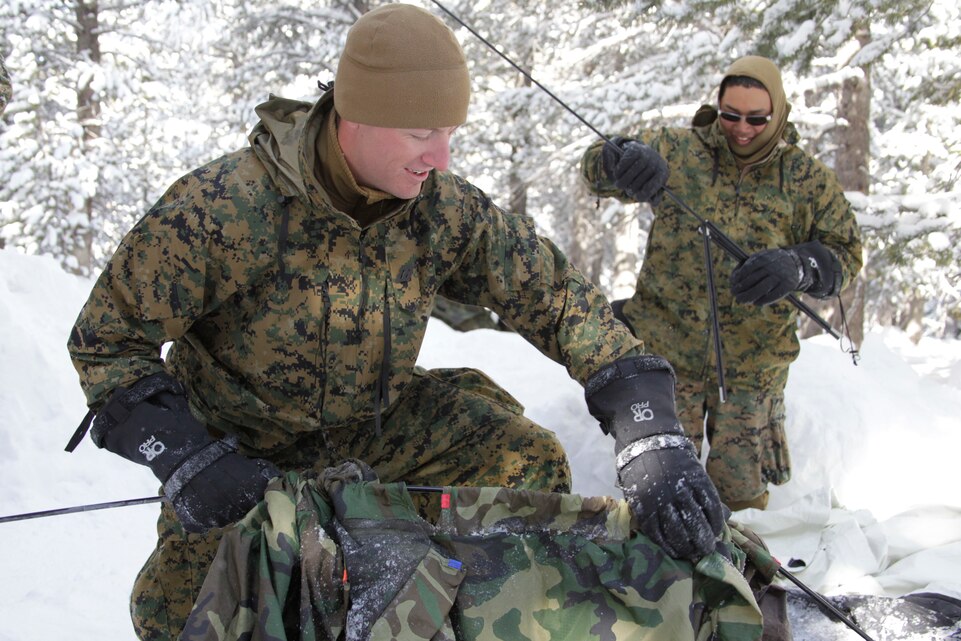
{"x": 458, "y": 427}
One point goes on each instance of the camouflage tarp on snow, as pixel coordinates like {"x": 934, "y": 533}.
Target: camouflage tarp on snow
{"x": 348, "y": 559}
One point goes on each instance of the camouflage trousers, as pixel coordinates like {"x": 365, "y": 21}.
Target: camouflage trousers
{"x": 450, "y": 427}
{"x": 746, "y": 438}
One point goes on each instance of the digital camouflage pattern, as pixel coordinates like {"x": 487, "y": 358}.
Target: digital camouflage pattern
{"x": 293, "y": 326}
{"x": 748, "y": 445}
{"x": 791, "y": 198}
{"x": 347, "y": 558}
{"x": 449, "y": 427}
{"x": 276, "y": 303}
{"x": 464, "y": 318}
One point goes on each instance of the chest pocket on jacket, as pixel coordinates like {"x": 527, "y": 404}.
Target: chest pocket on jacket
{"x": 766, "y": 213}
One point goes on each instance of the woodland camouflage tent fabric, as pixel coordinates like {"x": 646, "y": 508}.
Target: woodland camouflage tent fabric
{"x": 346, "y": 558}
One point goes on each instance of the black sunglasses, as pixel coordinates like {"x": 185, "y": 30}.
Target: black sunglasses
{"x": 754, "y": 120}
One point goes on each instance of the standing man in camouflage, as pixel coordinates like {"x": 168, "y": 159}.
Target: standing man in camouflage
{"x": 294, "y": 279}
{"x": 745, "y": 173}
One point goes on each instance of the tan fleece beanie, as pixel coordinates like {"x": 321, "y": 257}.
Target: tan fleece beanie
{"x": 402, "y": 67}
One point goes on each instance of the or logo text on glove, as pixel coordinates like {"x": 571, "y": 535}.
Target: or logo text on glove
{"x": 642, "y": 412}
{"x": 152, "y": 448}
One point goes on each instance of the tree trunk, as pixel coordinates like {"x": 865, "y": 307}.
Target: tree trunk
{"x": 854, "y": 138}
{"x": 852, "y": 168}
{"x": 360, "y": 6}
{"x": 88, "y": 115}
{"x": 517, "y": 201}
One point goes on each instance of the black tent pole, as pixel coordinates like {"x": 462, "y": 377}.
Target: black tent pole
{"x": 79, "y": 508}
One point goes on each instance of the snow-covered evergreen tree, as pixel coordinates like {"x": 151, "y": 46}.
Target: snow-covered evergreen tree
{"x": 114, "y": 101}
{"x": 875, "y": 89}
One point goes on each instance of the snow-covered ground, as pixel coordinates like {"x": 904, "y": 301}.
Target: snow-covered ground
{"x": 874, "y": 507}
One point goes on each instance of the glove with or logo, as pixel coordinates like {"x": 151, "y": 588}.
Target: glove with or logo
{"x": 770, "y": 275}
{"x": 635, "y": 168}
{"x": 206, "y": 481}
{"x": 674, "y": 502}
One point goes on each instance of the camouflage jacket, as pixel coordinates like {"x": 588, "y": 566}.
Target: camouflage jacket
{"x": 791, "y": 198}
{"x": 283, "y": 312}
{"x": 349, "y": 559}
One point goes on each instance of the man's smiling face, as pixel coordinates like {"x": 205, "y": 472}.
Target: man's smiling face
{"x": 395, "y": 161}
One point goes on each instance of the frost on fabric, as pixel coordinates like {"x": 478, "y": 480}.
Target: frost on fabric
{"x": 379, "y": 563}
{"x": 916, "y": 617}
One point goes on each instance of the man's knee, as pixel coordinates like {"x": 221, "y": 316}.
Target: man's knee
{"x": 546, "y": 462}
{"x": 497, "y": 445}
{"x": 169, "y": 582}
{"x": 148, "y": 607}
{"x": 758, "y": 502}
{"x": 514, "y": 452}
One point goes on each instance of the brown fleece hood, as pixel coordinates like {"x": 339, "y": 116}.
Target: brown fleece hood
{"x": 765, "y": 72}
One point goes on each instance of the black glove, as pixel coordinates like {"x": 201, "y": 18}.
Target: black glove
{"x": 635, "y": 168}
{"x": 772, "y": 274}
{"x": 206, "y": 481}
{"x": 673, "y": 501}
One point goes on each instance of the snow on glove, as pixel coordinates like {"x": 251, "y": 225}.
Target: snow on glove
{"x": 673, "y": 501}
{"x": 635, "y": 168}
{"x": 206, "y": 481}
{"x": 770, "y": 275}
